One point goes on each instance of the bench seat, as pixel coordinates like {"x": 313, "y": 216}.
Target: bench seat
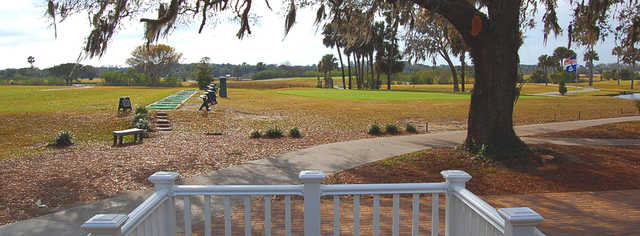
{"x": 137, "y": 134}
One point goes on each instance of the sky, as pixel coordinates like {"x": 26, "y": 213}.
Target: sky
{"x": 24, "y": 32}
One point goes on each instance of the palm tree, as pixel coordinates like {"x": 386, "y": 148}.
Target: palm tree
{"x": 31, "y": 60}
{"x": 332, "y": 38}
{"x": 589, "y": 57}
{"x": 327, "y": 64}
{"x": 617, "y": 51}
{"x": 545, "y": 61}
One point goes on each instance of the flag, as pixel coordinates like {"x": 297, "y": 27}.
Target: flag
{"x": 570, "y": 64}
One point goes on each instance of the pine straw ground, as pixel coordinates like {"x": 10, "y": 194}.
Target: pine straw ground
{"x": 550, "y": 168}
{"x": 91, "y": 169}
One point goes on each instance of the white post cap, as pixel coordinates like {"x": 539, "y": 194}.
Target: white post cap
{"x": 455, "y": 175}
{"x": 107, "y": 224}
{"x": 520, "y": 216}
{"x": 311, "y": 176}
{"x": 163, "y": 177}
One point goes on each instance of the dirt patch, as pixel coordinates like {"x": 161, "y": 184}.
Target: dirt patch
{"x": 564, "y": 169}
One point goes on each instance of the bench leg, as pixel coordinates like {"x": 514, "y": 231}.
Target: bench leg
{"x": 141, "y": 137}
{"x": 115, "y": 139}
{"x": 121, "y": 138}
{"x": 135, "y": 138}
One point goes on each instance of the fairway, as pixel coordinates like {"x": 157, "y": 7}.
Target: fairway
{"x": 369, "y": 95}
{"x": 17, "y": 99}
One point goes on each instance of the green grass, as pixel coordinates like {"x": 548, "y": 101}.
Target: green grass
{"x": 371, "y": 95}
{"x": 17, "y": 99}
{"x": 32, "y": 115}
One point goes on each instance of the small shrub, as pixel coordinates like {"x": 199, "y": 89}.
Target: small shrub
{"x": 562, "y": 88}
{"x": 374, "y": 130}
{"x": 411, "y": 128}
{"x": 295, "y": 133}
{"x": 137, "y": 117}
{"x": 255, "y": 134}
{"x": 273, "y": 133}
{"x": 638, "y": 105}
{"x": 143, "y": 124}
{"x": 391, "y": 128}
{"x": 63, "y": 138}
{"x": 141, "y": 110}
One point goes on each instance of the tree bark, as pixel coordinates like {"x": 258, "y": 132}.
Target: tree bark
{"x": 349, "y": 68}
{"x": 356, "y": 62}
{"x": 463, "y": 66}
{"x": 452, "y": 68}
{"x": 341, "y": 66}
{"x": 495, "y": 55}
{"x": 373, "y": 77}
{"x": 633, "y": 73}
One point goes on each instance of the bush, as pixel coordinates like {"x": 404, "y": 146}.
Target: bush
{"x": 273, "y": 133}
{"x": 143, "y": 124}
{"x": 638, "y": 105}
{"x": 63, "y": 138}
{"x": 255, "y": 134}
{"x": 141, "y": 110}
{"x": 410, "y": 128}
{"x": 562, "y": 88}
{"x": 538, "y": 77}
{"x": 295, "y": 133}
{"x": 374, "y": 130}
{"x": 391, "y": 128}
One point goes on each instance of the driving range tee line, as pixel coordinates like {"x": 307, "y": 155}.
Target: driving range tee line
{"x": 173, "y": 101}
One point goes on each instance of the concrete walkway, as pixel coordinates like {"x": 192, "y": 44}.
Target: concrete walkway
{"x": 555, "y": 94}
{"x": 281, "y": 169}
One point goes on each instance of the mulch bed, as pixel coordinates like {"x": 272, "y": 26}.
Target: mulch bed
{"x": 87, "y": 172}
{"x": 622, "y": 130}
{"x": 564, "y": 169}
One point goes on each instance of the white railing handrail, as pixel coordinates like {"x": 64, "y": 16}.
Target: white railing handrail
{"x": 237, "y": 190}
{"x": 159, "y": 209}
{"x": 486, "y": 211}
{"x": 144, "y": 210}
{"x": 404, "y": 188}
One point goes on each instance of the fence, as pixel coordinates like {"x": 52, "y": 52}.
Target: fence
{"x": 465, "y": 213}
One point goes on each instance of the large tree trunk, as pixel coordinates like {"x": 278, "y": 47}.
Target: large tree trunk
{"x": 463, "y": 68}
{"x": 452, "y": 68}
{"x": 349, "y": 68}
{"x": 495, "y": 55}
{"x": 341, "y": 66}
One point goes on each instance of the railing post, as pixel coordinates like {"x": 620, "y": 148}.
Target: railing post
{"x": 164, "y": 181}
{"x": 311, "y": 180}
{"x": 520, "y": 221}
{"x": 105, "y": 224}
{"x": 455, "y": 179}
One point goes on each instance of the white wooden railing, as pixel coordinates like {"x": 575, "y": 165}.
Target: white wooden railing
{"x": 465, "y": 213}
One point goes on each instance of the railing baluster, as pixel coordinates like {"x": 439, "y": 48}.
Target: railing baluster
{"x": 247, "y": 216}
{"x": 396, "y": 215}
{"x": 376, "y": 215}
{"x": 287, "y": 215}
{"x": 207, "y": 215}
{"x": 435, "y": 214}
{"x": 148, "y": 228}
{"x": 140, "y": 231}
{"x": 356, "y": 215}
{"x": 267, "y": 215}
{"x": 227, "y": 216}
{"x": 416, "y": 215}
{"x": 336, "y": 215}
{"x": 155, "y": 217}
{"x": 187, "y": 215}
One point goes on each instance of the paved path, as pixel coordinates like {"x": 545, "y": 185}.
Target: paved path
{"x": 281, "y": 169}
{"x": 555, "y": 94}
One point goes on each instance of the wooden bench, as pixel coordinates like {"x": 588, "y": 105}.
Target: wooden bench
{"x": 137, "y": 133}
